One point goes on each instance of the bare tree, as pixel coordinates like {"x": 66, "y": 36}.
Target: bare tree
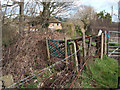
{"x": 53, "y": 8}
{"x": 83, "y": 16}
{"x": 12, "y": 12}
{"x": 46, "y": 9}
{"x": 35, "y": 8}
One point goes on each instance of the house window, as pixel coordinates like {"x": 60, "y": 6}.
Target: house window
{"x": 33, "y": 25}
{"x": 53, "y": 24}
{"x": 58, "y": 24}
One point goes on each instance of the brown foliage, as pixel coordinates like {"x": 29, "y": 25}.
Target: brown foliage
{"x": 27, "y": 54}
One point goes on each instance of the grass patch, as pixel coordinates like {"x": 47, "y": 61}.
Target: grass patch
{"x": 104, "y": 72}
{"x": 114, "y": 44}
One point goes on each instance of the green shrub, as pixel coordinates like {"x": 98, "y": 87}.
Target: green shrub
{"x": 78, "y": 29}
{"x": 93, "y": 43}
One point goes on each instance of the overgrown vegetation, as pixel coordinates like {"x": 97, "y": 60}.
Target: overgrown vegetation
{"x": 93, "y": 43}
{"x": 9, "y": 34}
{"x": 104, "y": 73}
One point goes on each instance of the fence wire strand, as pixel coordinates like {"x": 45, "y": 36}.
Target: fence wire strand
{"x": 43, "y": 70}
{"x": 27, "y": 79}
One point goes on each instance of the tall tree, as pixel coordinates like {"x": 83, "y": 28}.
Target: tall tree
{"x": 83, "y": 16}
{"x": 14, "y": 5}
{"x": 104, "y": 15}
{"x": 47, "y": 9}
{"x": 54, "y": 8}
{"x": 43, "y": 8}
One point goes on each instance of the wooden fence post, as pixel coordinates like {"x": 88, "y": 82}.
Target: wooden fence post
{"x": 84, "y": 45}
{"x": 77, "y": 48}
{"x": 70, "y": 52}
{"x": 108, "y": 43}
{"x": 76, "y": 59}
{"x": 48, "y": 53}
{"x": 73, "y": 51}
{"x": 66, "y": 50}
{"x": 102, "y": 42}
{"x": 105, "y": 52}
{"x": 89, "y": 46}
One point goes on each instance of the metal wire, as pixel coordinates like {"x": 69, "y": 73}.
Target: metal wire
{"x": 45, "y": 69}
{"x": 113, "y": 51}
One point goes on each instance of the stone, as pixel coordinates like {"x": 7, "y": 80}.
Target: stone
{"x": 8, "y": 80}
{"x": 0, "y": 85}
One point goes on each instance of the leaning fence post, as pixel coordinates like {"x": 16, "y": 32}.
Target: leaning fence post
{"x": 78, "y": 53}
{"x": 102, "y": 41}
{"x": 76, "y": 60}
{"x": 105, "y": 52}
{"x": 66, "y": 50}
{"x": 84, "y": 45}
{"x": 48, "y": 53}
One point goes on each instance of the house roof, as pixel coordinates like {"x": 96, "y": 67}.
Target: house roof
{"x": 53, "y": 20}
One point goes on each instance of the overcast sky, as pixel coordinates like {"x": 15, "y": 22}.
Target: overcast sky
{"x": 98, "y": 5}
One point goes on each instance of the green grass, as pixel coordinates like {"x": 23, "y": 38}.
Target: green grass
{"x": 32, "y": 84}
{"x": 104, "y": 72}
{"x": 114, "y": 44}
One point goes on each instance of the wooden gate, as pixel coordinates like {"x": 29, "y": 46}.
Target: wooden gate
{"x": 114, "y": 44}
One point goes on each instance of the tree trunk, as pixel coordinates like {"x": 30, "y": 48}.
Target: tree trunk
{"x": 21, "y": 19}
{"x": 45, "y": 14}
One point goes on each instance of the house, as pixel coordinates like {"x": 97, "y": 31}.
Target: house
{"x": 54, "y": 24}
{"x": 33, "y": 24}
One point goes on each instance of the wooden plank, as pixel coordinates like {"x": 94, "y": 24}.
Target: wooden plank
{"x": 102, "y": 42}
{"x": 76, "y": 59}
{"x": 78, "y": 54}
{"x": 108, "y": 44}
{"x": 79, "y": 39}
{"x": 105, "y": 52}
{"x": 48, "y": 53}
{"x": 84, "y": 45}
